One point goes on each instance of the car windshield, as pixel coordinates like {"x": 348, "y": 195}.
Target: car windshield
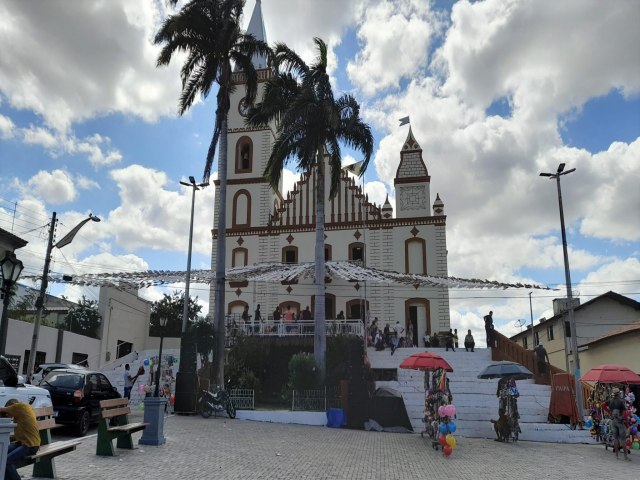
{"x": 64, "y": 379}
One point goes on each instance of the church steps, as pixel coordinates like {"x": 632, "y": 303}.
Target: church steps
{"x": 475, "y": 399}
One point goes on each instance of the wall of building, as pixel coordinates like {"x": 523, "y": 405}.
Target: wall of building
{"x": 125, "y": 318}
{"x": 19, "y": 342}
{"x": 618, "y": 350}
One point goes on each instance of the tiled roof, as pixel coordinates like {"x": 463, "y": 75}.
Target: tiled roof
{"x": 615, "y": 332}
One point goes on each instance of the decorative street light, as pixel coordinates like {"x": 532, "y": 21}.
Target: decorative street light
{"x": 11, "y": 269}
{"x": 186, "y": 378}
{"x": 163, "y": 324}
{"x": 567, "y": 275}
{"x": 64, "y": 241}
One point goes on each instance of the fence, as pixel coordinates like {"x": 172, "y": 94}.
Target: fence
{"x": 315, "y": 400}
{"x": 243, "y": 398}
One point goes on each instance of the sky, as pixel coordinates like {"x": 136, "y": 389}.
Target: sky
{"x": 497, "y": 92}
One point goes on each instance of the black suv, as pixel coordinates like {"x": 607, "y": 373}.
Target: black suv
{"x": 76, "y": 396}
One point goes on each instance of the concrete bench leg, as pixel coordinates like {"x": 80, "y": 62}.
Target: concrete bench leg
{"x": 125, "y": 441}
{"x": 44, "y": 468}
{"x": 104, "y": 445}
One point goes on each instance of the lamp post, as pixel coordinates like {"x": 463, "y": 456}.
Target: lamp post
{"x": 163, "y": 324}
{"x": 11, "y": 270}
{"x": 531, "y": 312}
{"x": 64, "y": 241}
{"x": 186, "y": 378}
{"x": 572, "y": 322}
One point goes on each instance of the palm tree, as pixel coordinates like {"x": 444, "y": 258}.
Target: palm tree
{"x": 311, "y": 125}
{"x": 209, "y": 32}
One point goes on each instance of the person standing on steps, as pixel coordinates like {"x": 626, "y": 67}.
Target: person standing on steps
{"x": 542, "y": 359}
{"x": 455, "y": 337}
{"x": 449, "y": 342}
{"x": 488, "y": 328}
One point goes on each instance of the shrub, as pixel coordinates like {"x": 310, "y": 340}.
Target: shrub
{"x": 302, "y": 372}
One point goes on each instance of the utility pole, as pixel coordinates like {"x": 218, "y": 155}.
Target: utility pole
{"x": 40, "y": 300}
{"x": 531, "y": 311}
{"x": 572, "y": 322}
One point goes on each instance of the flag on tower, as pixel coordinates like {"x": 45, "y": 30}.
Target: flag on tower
{"x": 404, "y": 120}
{"x": 355, "y": 168}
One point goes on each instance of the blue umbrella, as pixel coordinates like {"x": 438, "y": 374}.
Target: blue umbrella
{"x": 506, "y": 369}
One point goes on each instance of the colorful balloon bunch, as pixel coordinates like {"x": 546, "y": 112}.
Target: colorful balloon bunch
{"x": 448, "y": 443}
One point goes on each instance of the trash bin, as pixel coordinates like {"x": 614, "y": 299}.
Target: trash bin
{"x": 336, "y": 418}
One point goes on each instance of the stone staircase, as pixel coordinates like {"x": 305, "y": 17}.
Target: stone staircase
{"x": 475, "y": 399}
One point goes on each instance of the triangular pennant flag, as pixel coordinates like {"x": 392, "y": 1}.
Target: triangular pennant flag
{"x": 404, "y": 120}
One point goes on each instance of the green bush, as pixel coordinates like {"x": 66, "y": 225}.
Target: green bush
{"x": 302, "y": 372}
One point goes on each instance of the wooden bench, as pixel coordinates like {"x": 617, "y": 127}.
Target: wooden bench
{"x": 42, "y": 460}
{"x": 114, "y": 423}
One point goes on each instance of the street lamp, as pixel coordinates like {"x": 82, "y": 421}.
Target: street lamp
{"x": 531, "y": 313}
{"x": 64, "y": 241}
{"x": 11, "y": 269}
{"x": 572, "y": 322}
{"x": 185, "y": 380}
{"x": 163, "y": 324}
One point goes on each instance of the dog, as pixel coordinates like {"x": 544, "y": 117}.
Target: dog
{"x": 502, "y": 426}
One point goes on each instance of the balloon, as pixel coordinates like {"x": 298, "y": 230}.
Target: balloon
{"x": 636, "y": 445}
{"x": 441, "y": 411}
{"x": 452, "y": 427}
{"x": 634, "y": 430}
{"x": 442, "y": 440}
{"x": 588, "y": 424}
{"x": 453, "y": 443}
{"x": 150, "y": 363}
{"x": 443, "y": 428}
{"x": 452, "y": 410}
{"x": 146, "y": 362}
{"x": 141, "y": 388}
{"x": 447, "y": 450}
{"x": 172, "y": 399}
{"x": 141, "y": 406}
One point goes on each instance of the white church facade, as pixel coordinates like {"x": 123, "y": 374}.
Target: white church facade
{"x": 266, "y": 226}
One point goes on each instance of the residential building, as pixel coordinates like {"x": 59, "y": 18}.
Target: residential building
{"x": 596, "y": 320}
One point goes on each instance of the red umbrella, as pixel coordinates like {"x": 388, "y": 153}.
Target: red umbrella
{"x": 611, "y": 374}
{"x": 425, "y": 361}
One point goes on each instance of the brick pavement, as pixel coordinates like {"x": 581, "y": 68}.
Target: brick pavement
{"x": 235, "y": 449}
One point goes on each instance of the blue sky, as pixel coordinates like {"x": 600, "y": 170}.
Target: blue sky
{"x": 497, "y": 91}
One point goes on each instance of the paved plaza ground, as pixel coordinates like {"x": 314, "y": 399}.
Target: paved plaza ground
{"x": 237, "y": 449}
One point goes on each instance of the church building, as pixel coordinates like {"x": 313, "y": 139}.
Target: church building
{"x": 266, "y": 226}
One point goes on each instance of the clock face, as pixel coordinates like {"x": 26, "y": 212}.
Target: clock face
{"x": 243, "y": 107}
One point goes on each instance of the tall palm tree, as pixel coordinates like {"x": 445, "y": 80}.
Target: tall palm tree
{"x": 311, "y": 124}
{"x": 209, "y": 32}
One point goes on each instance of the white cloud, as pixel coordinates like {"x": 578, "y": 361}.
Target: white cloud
{"x": 150, "y": 216}
{"x": 6, "y": 127}
{"x": 80, "y": 84}
{"x": 54, "y": 187}
{"x": 85, "y": 183}
{"x": 395, "y": 37}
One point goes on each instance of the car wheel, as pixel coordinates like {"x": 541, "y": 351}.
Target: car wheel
{"x": 82, "y": 427}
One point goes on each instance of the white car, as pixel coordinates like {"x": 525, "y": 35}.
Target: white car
{"x": 44, "y": 368}
{"x": 12, "y": 386}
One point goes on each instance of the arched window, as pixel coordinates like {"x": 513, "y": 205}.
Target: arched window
{"x": 356, "y": 251}
{"x": 415, "y": 256}
{"x": 329, "y": 306}
{"x": 241, "y": 209}
{"x": 244, "y": 155}
{"x": 239, "y": 257}
{"x": 236, "y": 307}
{"x": 356, "y": 308}
{"x": 290, "y": 254}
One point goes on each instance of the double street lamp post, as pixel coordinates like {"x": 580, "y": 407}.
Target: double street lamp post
{"x": 11, "y": 270}
{"x": 572, "y": 322}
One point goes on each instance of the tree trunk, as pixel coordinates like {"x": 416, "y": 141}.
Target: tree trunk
{"x": 320, "y": 336}
{"x": 219, "y": 303}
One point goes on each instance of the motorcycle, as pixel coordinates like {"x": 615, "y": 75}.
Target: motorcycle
{"x": 214, "y": 401}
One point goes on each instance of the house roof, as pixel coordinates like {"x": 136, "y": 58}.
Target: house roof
{"x": 632, "y": 327}
{"x": 630, "y": 302}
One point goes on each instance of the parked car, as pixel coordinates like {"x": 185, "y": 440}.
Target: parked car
{"x": 76, "y": 396}
{"x": 44, "y": 368}
{"x": 12, "y": 386}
